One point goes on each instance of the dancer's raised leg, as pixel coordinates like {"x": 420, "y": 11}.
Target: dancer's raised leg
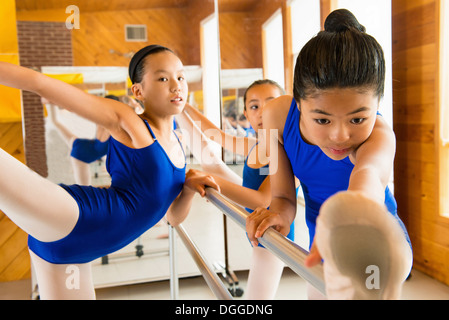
{"x": 39, "y": 207}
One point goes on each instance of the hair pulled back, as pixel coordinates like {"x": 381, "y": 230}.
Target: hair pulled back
{"x": 341, "y": 56}
{"x": 137, "y": 64}
{"x": 262, "y": 82}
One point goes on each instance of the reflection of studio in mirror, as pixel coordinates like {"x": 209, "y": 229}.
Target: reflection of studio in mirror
{"x": 251, "y": 48}
{"x": 256, "y": 43}
{"x": 95, "y": 57}
{"x": 261, "y": 39}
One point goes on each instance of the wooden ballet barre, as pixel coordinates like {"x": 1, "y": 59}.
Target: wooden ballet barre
{"x": 286, "y": 250}
{"x": 211, "y": 278}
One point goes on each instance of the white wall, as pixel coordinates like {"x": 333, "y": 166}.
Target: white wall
{"x": 376, "y": 17}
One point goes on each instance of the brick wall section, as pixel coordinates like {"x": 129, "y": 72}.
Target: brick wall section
{"x": 40, "y": 44}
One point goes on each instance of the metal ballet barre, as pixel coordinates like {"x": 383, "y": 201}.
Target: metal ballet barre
{"x": 211, "y": 278}
{"x": 288, "y": 251}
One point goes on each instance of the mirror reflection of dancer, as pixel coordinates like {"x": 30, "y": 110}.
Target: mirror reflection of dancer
{"x": 70, "y": 226}
{"x": 254, "y": 189}
{"x": 85, "y": 151}
{"x": 332, "y": 138}
{"x": 82, "y": 151}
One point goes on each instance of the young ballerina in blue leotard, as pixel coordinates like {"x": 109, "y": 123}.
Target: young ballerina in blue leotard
{"x": 253, "y": 189}
{"x": 73, "y": 225}
{"x": 331, "y": 137}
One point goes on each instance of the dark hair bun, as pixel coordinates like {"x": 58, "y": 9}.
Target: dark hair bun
{"x": 342, "y": 20}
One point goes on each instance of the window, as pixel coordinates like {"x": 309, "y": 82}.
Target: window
{"x": 273, "y": 48}
{"x": 376, "y": 17}
{"x": 135, "y": 32}
{"x": 444, "y": 108}
{"x": 306, "y": 23}
{"x": 210, "y": 61}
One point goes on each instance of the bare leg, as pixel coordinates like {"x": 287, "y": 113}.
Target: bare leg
{"x": 81, "y": 172}
{"x": 39, "y": 207}
{"x": 63, "y": 281}
{"x": 264, "y": 275}
{"x": 64, "y": 132}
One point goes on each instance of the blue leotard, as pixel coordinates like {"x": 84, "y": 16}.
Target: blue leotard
{"x": 320, "y": 176}
{"x": 89, "y": 150}
{"x": 144, "y": 184}
{"x": 253, "y": 178}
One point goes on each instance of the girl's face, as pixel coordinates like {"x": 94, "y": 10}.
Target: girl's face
{"x": 256, "y": 98}
{"x": 164, "y": 87}
{"x": 338, "y": 121}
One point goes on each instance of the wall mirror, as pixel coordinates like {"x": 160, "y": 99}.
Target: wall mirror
{"x": 226, "y": 45}
{"x": 251, "y": 48}
{"x": 99, "y": 53}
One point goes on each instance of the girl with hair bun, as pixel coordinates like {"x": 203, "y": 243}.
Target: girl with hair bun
{"x": 331, "y": 136}
{"x": 253, "y": 189}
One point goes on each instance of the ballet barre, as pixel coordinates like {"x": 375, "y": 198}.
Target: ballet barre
{"x": 288, "y": 251}
{"x": 211, "y": 278}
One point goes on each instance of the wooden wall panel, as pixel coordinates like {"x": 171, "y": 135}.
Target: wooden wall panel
{"x": 415, "y": 118}
{"x": 240, "y": 40}
{"x": 196, "y": 11}
{"x": 176, "y": 28}
{"x": 101, "y": 32}
{"x": 241, "y": 35}
{"x": 89, "y": 5}
{"x": 14, "y": 257}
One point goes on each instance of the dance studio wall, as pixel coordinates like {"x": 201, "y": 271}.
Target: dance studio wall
{"x": 415, "y": 113}
{"x": 14, "y": 258}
